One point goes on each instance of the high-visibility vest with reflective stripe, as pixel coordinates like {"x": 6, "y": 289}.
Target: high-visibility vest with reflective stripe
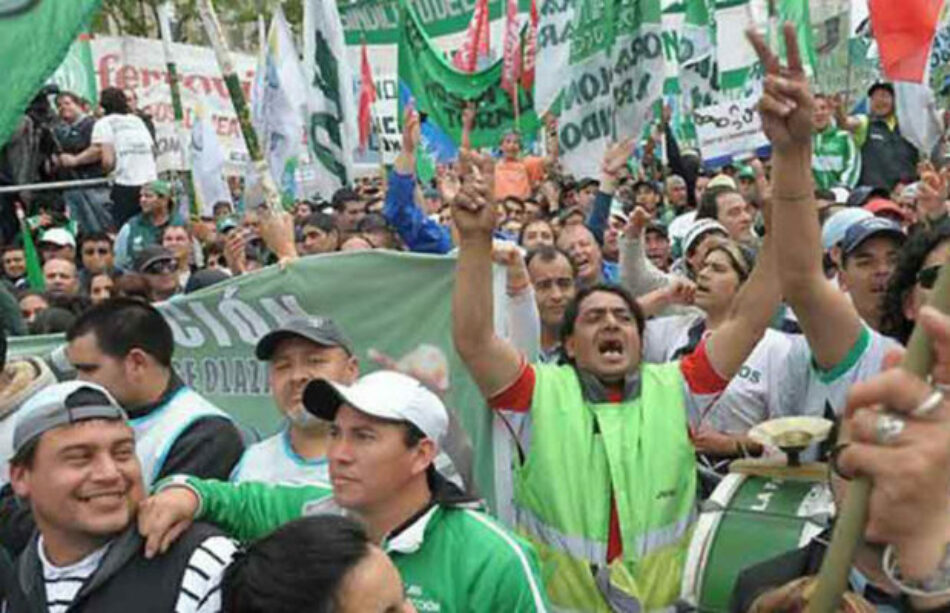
{"x": 580, "y": 453}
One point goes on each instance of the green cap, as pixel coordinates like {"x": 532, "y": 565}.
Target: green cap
{"x": 162, "y": 188}
{"x": 746, "y": 172}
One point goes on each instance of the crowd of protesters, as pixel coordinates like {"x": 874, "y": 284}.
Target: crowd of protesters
{"x": 656, "y": 313}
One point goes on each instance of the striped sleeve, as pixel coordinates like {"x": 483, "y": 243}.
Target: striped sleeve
{"x": 201, "y": 584}
{"x": 852, "y": 167}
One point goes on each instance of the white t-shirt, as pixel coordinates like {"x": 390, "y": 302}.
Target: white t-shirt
{"x": 753, "y": 394}
{"x": 134, "y": 160}
{"x": 778, "y": 379}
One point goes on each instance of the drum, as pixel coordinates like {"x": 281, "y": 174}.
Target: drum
{"x": 747, "y": 520}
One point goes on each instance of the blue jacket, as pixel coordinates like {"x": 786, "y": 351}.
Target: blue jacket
{"x": 420, "y": 233}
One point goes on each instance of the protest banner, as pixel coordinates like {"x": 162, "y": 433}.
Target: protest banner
{"x": 729, "y": 129}
{"x": 441, "y": 92}
{"x": 139, "y": 64}
{"x": 366, "y": 293}
{"x": 614, "y": 75}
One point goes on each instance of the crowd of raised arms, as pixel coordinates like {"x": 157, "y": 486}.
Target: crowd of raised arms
{"x": 662, "y": 323}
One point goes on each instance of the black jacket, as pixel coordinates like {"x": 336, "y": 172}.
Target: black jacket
{"x": 125, "y": 580}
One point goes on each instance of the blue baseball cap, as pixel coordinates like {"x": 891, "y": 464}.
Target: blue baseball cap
{"x": 867, "y": 228}
{"x": 835, "y": 226}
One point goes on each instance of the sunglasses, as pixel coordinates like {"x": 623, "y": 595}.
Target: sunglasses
{"x": 927, "y": 277}
{"x": 161, "y": 267}
{"x": 99, "y": 251}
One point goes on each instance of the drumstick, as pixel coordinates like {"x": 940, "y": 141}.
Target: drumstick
{"x": 849, "y": 527}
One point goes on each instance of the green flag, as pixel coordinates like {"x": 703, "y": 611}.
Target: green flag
{"x": 34, "y": 38}
{"x": 34, "y": 270}
{"x": 440, "y": 92}
{"x": 796, "y": 11}
{"x": 77, "y": 73}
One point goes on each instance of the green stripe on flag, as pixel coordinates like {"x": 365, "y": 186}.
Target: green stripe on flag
{"x": 34, "y": 38}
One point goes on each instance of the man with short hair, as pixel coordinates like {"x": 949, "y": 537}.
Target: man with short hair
{"x": 126, "y": 346}
{"x": 320, "y": 234}
{"x": 552, "y": 275}
{"x": 350, "y": 209}
{"x": 607, "y": 489}
{"x": 297, "y": 352}
{"x": 14, "y": 265}
{"x": 61, "y": 277}
{"x": 75, "y": 462}
{"x": 386, "y": 432}
{"x": 96, "y": 256}
{"x": 578, "y": 242}
{"x": 729, "y": 208}
{"x": 835, "y": 159}
{"x": 145, "y": 228}
{"x": 656, "y": 245}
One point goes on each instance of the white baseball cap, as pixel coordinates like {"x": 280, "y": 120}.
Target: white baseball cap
{"x": 59, "y": 237}
{"x": 385, "y": 394}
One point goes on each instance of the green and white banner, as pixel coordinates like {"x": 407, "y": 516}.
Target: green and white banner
{"x": 440, "y": 91}
{"x": 614, "y": 76}
{"x": 396, "y": 309}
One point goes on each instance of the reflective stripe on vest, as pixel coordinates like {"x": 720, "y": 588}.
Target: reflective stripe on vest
{"x": 578, "y": 547}
{"x": 580, "y": 451}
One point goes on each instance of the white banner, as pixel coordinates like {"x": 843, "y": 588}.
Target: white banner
{"x": 729, "y": 129}
{"x": 139, "y": 64}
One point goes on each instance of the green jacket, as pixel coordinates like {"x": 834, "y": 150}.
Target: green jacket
{"x": 835, "y": 159}
{"x": 452, "y": 558}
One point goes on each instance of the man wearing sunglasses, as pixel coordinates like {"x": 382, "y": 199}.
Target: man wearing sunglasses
{"x": 160, "y": 269}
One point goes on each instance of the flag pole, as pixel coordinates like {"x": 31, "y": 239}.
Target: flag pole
{"x": 213, "y": 28}
{"x": 174, "y": 84}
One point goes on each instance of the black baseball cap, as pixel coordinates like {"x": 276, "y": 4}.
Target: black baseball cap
{"x": 880, "y": 85}
{"x": 320, "y": 330}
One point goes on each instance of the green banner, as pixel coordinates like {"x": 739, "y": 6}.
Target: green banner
{"x": 393, "y": 307}
{"x": 378, "y": 20}
{"x": 34, "y": 38}
{"x": 441, "y": 92}
{"x": 77, "y": 73}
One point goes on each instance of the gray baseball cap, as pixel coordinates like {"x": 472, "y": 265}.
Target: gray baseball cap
{"x": 320, "y": 330}
{"x": 62, "y": 404}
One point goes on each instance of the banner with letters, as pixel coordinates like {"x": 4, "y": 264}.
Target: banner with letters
{"x": 139, "y": 64}
{"x": 395, "y": 308}
{"x": 728, "y": 130}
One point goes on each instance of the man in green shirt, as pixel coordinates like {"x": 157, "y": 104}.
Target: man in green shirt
{"x": 383, "y": 441}
{"x": 835, "y": 159}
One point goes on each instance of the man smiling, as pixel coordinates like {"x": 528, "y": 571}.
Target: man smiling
{"x": 75, "y": 461}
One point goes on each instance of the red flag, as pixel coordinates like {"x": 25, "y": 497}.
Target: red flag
{"x": 476, "y": 40}
{"x": 367, "y": 98}
{"x": 530, "y": 50}
{"x": 904, "y": 32}
{"x": 511, "y": 68}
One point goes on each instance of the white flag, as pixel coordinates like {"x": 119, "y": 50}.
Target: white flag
{"x": 331, "y": 124}
{"x": 207, "y": 165}
{"x": 281, "y": 104}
